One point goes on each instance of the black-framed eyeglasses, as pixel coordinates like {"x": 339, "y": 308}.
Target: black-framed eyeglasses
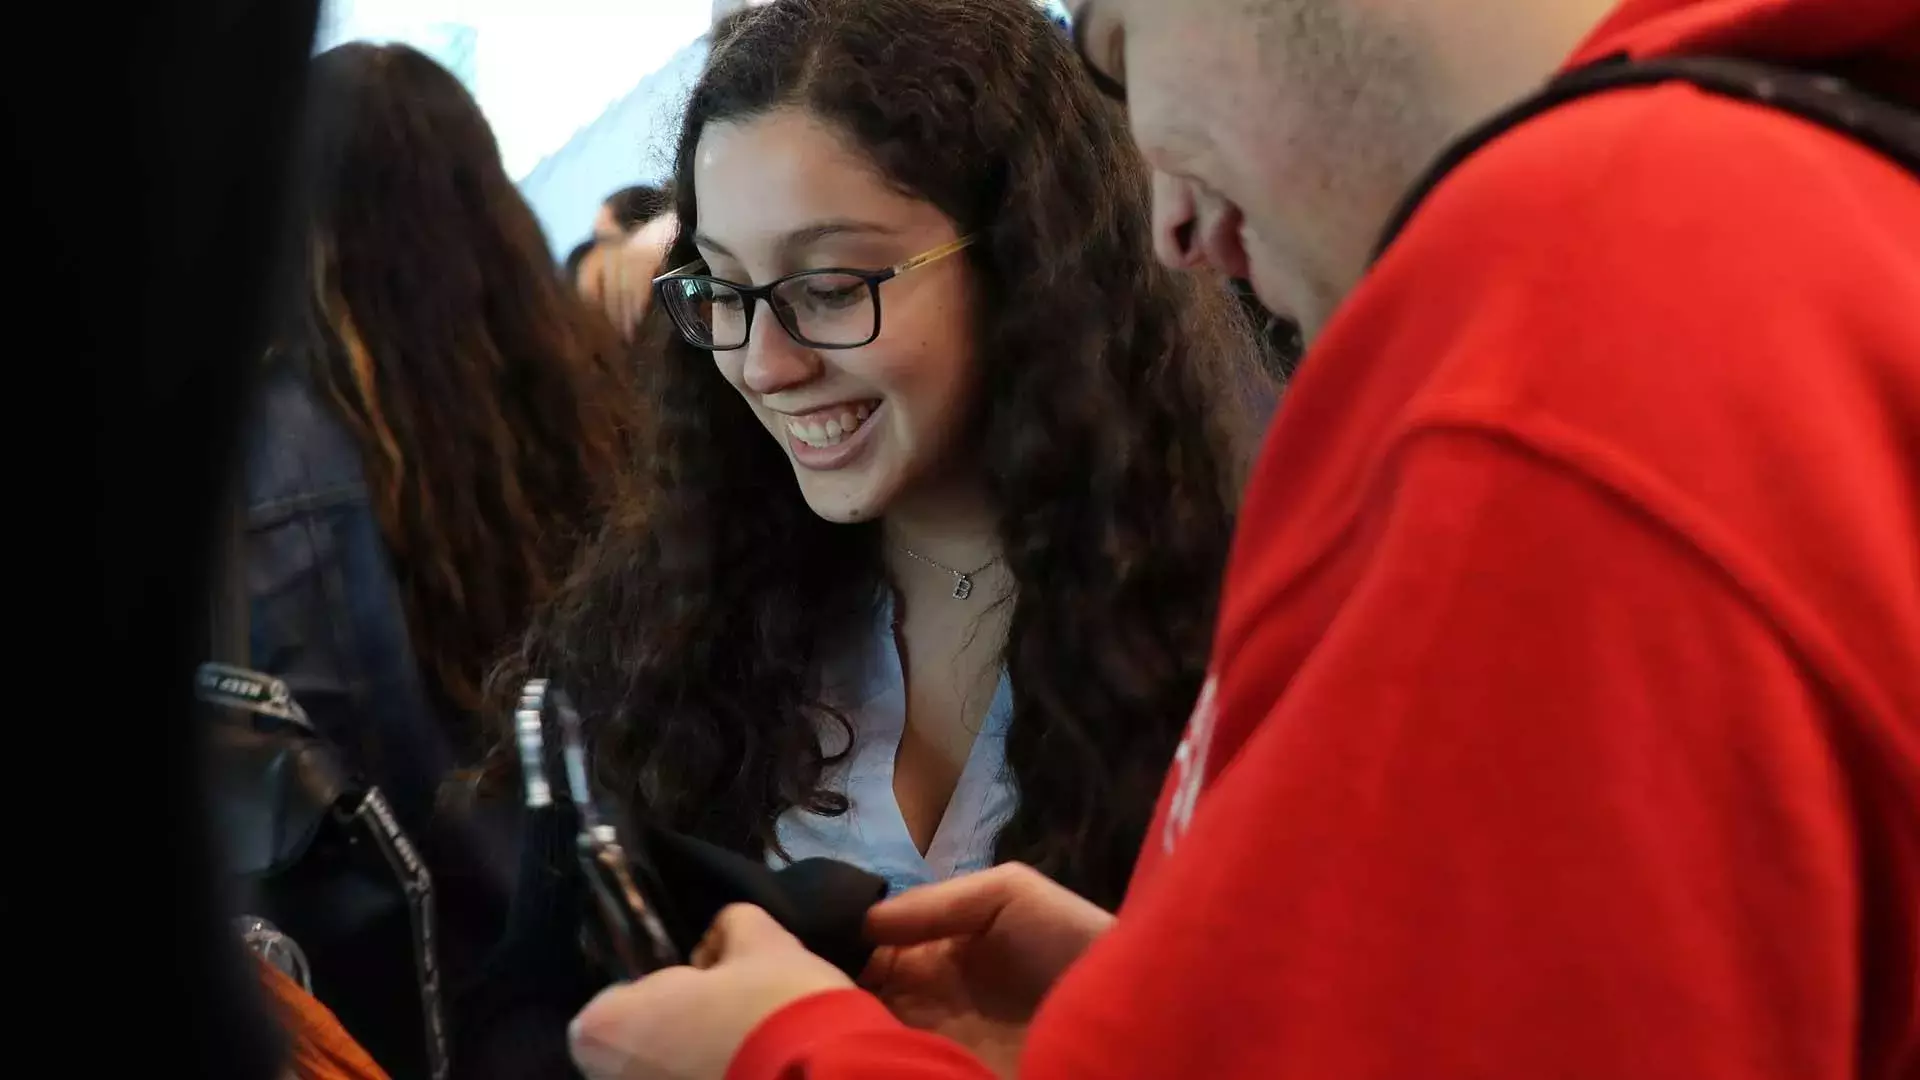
{"x": 834, "y": 308}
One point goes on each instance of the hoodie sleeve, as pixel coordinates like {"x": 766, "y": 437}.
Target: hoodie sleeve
{"x": 1598, "y": 841}
{"x": 848, "y": 1035}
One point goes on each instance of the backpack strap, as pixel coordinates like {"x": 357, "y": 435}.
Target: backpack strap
{"x": 1818, "y": 97}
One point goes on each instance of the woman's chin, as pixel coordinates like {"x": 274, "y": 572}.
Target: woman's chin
{"x": 842, "y": 499}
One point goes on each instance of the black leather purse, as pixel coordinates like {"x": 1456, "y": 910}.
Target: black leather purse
{"x": 331, "y": 889}
{"x": 324, "y": 874}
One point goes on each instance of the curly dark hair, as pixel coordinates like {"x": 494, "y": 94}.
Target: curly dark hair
{"x": 495, "y": 413}
{"x": 1112, "y": 434}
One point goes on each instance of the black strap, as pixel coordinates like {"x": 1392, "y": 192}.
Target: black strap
{"x": 1818, "y": 97}
{"x": 250, "y": 692}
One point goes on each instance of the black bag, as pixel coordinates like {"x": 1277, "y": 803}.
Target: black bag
{"x": 653, "y": 893}
{"x": 1818, "y": 97}
{"x": 330, "y": 886}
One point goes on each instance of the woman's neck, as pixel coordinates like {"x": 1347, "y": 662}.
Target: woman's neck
{"x": 936, "y": 540}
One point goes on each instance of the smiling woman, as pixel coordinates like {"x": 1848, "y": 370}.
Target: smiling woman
{"x": 922, "y": 572}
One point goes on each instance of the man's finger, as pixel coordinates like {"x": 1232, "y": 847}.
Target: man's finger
{"x": 743, "y": 928}
{"x": 965, "y": 905}
{"x": 879, "y": 968}
{"x": 623, "y": 1016}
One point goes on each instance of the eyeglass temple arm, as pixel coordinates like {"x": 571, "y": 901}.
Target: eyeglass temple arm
{"x": 678, "y": 270}
{"x": 933, "y": 256}
{"x": 896, "y": 270}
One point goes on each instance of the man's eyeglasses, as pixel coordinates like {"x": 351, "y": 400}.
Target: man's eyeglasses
{"x": 1081, "y": 28}
{"x": 822, "y": 309}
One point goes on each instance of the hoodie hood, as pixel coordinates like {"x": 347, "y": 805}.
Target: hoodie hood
{"x": 1879, "y": 40}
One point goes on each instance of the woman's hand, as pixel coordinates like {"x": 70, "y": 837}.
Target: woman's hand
{"x": 687, "y": 1023}
{"x": 971, "y": 959}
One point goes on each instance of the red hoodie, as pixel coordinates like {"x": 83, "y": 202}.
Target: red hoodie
{"x": 1566, "y": 711}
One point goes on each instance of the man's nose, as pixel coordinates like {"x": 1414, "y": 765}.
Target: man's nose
{"x": 1175, "y": 220}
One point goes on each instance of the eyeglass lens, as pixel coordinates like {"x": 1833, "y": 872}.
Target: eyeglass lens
{"x": 825, "y": 309}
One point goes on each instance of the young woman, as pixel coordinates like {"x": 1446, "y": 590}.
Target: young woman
{"x": 921, "y": 574}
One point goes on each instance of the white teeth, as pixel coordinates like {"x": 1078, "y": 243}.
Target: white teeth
{"x": 833, "y": 429}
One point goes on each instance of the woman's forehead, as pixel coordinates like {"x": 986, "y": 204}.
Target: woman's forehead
{"x": 758, "y": 182}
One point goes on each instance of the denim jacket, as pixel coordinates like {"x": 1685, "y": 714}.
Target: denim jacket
{"x": 325, "y": 614}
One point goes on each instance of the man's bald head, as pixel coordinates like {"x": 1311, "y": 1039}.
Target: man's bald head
{"x": 1287, "y": 130}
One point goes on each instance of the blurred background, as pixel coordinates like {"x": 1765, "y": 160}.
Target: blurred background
{"x": 584, "y": 95}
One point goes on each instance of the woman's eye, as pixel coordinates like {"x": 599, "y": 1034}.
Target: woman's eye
{"x": 834, "y": 296}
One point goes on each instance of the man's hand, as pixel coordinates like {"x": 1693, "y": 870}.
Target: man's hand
{"x": 687, "y": 1023}
{"x": 972, "y": 958}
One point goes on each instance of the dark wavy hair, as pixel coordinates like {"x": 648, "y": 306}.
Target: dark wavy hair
{"x": 1111, "y": 433}
{"x": 494, "y": 412}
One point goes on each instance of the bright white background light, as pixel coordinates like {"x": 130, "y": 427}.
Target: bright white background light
{"x": 540, "y": 69}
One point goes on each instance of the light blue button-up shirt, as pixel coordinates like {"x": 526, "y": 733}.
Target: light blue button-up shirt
{"x": 868, "y": 685}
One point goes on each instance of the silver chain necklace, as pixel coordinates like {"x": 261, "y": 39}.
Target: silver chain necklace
{"x": 962, "y": 579}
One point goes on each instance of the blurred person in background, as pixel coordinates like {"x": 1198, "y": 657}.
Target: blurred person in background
{"x": 615, "y": 269}
{"x": 439, "y": 424}
{"x": 575, "y": 270}
{"x": 1564, "y": 714}
{"x": 626, "y": 211}
{"x": 617, "y": 275}
{"x": 922, "y": 572}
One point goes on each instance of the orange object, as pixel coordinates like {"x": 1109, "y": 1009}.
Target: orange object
{"x": 322, "y": 1049}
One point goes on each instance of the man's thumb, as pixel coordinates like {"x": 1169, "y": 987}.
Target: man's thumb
{"x": 737, "y": 930}
{"x": 602, "y": 1038}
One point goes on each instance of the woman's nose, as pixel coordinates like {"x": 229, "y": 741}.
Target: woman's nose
{"x": 774, "y": 361}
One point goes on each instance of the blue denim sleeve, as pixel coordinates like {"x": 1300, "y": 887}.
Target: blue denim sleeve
{"x": 326, "y": 615}
{"x": 325, "y": 612}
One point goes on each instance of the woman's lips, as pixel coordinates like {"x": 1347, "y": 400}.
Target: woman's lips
{"x": 835, "y": 451}
{"x": 825, "y": 427}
